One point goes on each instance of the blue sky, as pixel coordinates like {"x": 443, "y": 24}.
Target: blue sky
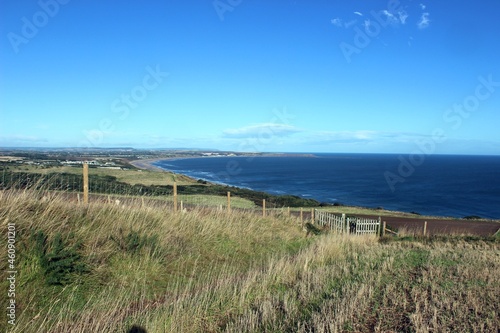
{"x": 296, "y": 76}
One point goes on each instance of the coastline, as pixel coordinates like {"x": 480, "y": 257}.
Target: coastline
{"x": 147, "y": 164}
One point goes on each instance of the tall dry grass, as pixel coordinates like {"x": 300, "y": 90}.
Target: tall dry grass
{"x": 207, "y": 271}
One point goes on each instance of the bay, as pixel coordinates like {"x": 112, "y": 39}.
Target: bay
{"x": 441, "y": 185}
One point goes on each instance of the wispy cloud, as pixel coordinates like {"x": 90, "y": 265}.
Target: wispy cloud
{"x": 332, "y": 137}
{"x": 396, "y": 18}
{"x": 387, "y": 13}
{"x": 22, "y": 140}
{"x": 422, "y": 6}
{"x": 403, "y": 15}
{"x": 337, "y": 22}
{"x": 265, "y": 129}
{"x": 361, "y": 137}
{"x": 424, "y": 21}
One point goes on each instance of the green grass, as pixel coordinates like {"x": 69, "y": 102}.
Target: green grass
{"x": 188, "y": 200}
{"x": 209, "y": 271}
{"x": 353, "y": 210}
{"x": 215, "y": 201}
{"x": 133, "y": 176}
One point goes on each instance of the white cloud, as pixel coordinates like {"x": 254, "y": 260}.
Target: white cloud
{"x": 337, "y": 22}
{"x": 387, "y": 13}
{"x": 358, "y": 13}
{"x": 422, "y": 6}
{"x": 424, "y": 21}
{"x": 403, "y": 15}
{"x": 391, "y": 18}
{"x": 329, "y": 137}
{"x": 258, "y": 130}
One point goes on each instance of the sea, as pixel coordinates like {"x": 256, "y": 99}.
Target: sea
{"x": 438, "y": 185}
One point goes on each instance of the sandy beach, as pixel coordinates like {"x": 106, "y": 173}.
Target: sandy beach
{"x": 147, "y": 164}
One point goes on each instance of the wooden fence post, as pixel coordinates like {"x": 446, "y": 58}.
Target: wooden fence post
{"x": 312, "y": 215}
{"x": 425, "y": 228}
{"x": 383, "y": 228}
{"x": 229, "y": 202}
{"x": 379, "y": 226}
{"x": 344, "y": 224}
{"x": 263, "y": 207}
{"x": 288, "y": 211}
{"x": 182, "y": 206}
{"x": 85, "y": 183}
{"x": 175, "y": 197}
{"x": 78, "y": 197}
{"x": 301, "y": 216}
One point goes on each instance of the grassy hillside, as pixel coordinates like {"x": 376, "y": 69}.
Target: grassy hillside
{"x": 101, "y": 183}
{"x": 105, "y": 268}
{"x": 132, "y": 176}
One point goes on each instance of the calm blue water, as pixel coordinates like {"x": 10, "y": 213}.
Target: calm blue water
{"x": 442, "y": 185}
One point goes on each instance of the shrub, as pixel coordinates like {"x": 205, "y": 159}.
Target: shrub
{"x": 62, "y": 263}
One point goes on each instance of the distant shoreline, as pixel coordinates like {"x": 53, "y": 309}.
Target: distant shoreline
{"x": 148, "y": 164}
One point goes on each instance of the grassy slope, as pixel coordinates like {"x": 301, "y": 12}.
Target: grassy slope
{"x": 132, "y": 177}
{"x": 145, "y": 177}
{"x": 207, "y": 271}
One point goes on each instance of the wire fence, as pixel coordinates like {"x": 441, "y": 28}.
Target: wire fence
{"x": 107, "y": 189}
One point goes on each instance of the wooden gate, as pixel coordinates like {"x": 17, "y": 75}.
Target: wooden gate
{"x": 349, "y": 225}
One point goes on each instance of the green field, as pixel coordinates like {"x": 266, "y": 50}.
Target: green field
{"x": 214, "y": 201}
{"x": 132, "y": 176}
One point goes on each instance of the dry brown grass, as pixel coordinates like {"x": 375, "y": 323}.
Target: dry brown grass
{"x": 207, "y": 271}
